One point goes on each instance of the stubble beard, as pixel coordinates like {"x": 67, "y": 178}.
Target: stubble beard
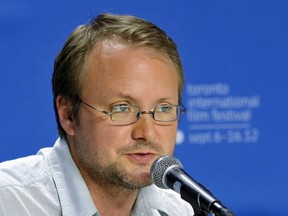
{"x": 114, "y": 175}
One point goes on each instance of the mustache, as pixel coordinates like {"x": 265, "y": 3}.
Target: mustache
{"x": 142, "y": 145}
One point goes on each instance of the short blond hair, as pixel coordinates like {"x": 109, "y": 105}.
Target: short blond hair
{"x": 67, "y": 78}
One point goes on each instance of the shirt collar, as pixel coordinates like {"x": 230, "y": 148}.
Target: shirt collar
{"x": 73, "y": 193}
{"x": 152, "y": 200}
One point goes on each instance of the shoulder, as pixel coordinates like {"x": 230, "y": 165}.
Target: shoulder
{"x": 26, "y": 186}
{"x": 24, "y": 171}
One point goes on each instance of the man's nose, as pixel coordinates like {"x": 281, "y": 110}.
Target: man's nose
{"x": 144, "y": 128}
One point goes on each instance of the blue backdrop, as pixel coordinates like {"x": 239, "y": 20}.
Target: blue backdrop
{"x": 233, "y": 137}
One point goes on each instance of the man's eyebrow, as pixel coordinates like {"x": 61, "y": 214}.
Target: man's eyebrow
{"x": 125, "y": 96}
{"x": 129, "y": 97}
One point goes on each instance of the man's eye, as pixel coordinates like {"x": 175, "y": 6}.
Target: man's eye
{"x": 121, "y": 108}
{"x": 164, "y": 108}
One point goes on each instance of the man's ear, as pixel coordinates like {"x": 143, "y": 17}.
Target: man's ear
{"x": 64, "y": 110}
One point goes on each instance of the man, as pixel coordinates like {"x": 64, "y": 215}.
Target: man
{"x": 117, "y": 88}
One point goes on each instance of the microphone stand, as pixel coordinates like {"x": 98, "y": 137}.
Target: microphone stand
{"x": 199, "y": 197}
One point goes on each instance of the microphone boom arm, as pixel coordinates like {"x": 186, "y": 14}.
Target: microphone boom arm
{"x": 193, "y": 192}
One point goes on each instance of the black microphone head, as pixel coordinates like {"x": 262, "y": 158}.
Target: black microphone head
{"x": 159, "y": 167}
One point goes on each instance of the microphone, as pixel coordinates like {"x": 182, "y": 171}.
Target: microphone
{"x": 167, "y": 173}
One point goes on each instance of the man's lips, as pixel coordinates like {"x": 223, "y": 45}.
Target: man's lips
{"x": 142, "y": 157}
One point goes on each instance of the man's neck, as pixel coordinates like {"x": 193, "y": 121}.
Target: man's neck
{"x": 110, "y": 200}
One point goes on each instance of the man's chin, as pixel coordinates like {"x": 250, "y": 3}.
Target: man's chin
{"x": 140, "y": 181}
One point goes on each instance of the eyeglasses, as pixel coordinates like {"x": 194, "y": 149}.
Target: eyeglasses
{"x": 127, "y": 114}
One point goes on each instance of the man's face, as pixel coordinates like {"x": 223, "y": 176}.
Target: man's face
{"x": 122, "y": 155}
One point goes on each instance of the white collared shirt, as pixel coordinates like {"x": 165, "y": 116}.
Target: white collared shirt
{"x": 49, "y": 183}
